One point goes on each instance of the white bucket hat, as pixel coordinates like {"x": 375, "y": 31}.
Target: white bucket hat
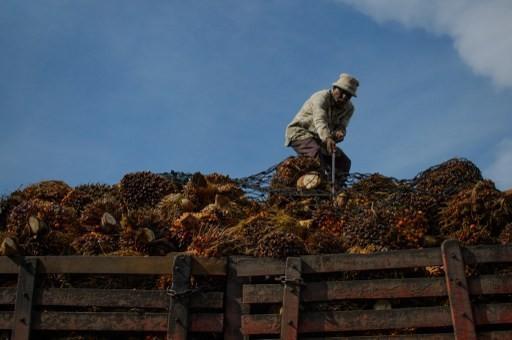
{"x": 348, "y": 83}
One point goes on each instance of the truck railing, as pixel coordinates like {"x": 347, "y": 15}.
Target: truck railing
{"x": 265, "y": 297}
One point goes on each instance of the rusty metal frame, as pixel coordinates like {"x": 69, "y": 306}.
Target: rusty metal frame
{"x": 458, "y": 291}
{"x": 24, "y": 299}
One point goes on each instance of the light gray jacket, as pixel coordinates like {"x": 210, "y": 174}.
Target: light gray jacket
{"x": 319, "y": 118}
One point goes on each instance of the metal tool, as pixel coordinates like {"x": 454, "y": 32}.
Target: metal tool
{"x": 333, "y": 177}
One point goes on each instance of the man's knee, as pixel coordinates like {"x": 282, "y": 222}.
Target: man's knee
{"x": 307, "y": 147}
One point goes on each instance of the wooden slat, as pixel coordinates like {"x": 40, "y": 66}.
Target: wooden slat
{"x": 178, "y": 318}
{"x": 319, "y": 322}
{"x": 424, "y": 317}
{"x": 127, "y": 298}
{"x": 115, "y": 322}
{"x": 487, "y": 254}
{"x": 458, "y": 291}
{"x": 398, "y": 259}
{"x": 146, "y": 265}
{"x": 493, "y": 314}
{"x": 291, "y": 299}
{"x": 376, "y": 289}
{"x": 24, "y": 300}
{"x": 497, "y": 335}
{"x": 358, "y": 289}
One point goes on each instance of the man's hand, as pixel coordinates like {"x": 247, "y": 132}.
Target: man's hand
{"x": 331, "y": 145}
{"x": 339, "y": 136}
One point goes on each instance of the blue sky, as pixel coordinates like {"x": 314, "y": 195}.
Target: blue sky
{"x": 92, "y": 89}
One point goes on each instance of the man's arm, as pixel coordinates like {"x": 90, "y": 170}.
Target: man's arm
{"x": 320, "y": 117}
{"x": 341, "y": 131}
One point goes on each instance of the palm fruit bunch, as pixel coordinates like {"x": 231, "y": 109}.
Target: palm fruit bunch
{"x": 280, "y": 244}
{"x": 199, "y": 191}
{"x": 328, "y": 221}
{"x": 53, "y": 242}
{"x": 248, "y": 232}
{"x": 144, "y": 231}
{"x": 85, "y": 194}
{"x": 36, "y": 216}
{"x": 405, "y": 216}
{"x": 142, "y": 189}
{"x": 287, "y": 174}
{"x": 5, "y": 208}
{"x": 321, "y": 242}
{"x": 363, "y": 221}
{"x": 173, "y": 206}
{"x": 52, "y": 191}
{"x": 225, "y": 186}
{"x": 448, "y": 178}
{"x": 364, "y": 228}
{"x": 375, "y": 186}
{"x": 95, "y": 243}
{"x": 477, "y": 214}
{"x": 211, "y": 242}
{"x": 182, "y": 231}
{"x": 410, "y": 229}
{"x": 506, "y": 235}
{"x": 93, "y": 214}
{"x": 137, "y": 240}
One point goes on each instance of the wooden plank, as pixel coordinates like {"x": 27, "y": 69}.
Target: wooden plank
{"x": 376, "y": 289}
{"x": 493, "y": 314}
{"x": 458, "y": 291}
{"x": 398, "y": 259}
{"x": 115, "y": 321}
{"x": 291, "y": 299}
{"x": 319, "y": 322}
{"x": 178, "y": 321}
{"x": 234, "y": 309}
{"x": 487, "y": 254}
{"x": 357, "y": 289}
{"x": 127, "y": 298}
{"x": 437, "y": 336}
{"x": 496, "y": 335}
{"x": 24, "y": 297}
{"x": 144, "y": 265}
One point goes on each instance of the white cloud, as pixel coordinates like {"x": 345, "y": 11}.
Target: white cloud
{"x": 501, "y": 170}
{"x": 481, "y": 30}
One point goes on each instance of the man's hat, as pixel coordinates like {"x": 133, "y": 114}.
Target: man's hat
{"x": 347, "y": 83}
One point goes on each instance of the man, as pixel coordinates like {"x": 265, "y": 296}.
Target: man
{"x": 322, "y": 122}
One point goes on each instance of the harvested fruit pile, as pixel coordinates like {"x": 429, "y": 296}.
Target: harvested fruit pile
{"x": 210, "y": 215}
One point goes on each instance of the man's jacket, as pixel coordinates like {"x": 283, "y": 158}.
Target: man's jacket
{"x": 319, "y": 118}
